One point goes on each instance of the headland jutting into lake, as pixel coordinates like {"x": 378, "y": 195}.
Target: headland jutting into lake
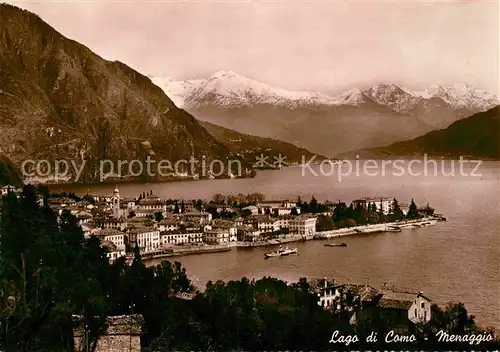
{"x": 167, "y": 227}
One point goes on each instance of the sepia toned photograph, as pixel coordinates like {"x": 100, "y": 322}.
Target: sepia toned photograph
{"x": 267, "y": 175}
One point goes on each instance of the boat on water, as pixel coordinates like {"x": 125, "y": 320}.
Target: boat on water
{"x": 335, "y": 245}
{"x": 281, "y": 251}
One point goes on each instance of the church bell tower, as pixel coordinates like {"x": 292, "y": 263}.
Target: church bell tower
{"x": 116, "y": 203}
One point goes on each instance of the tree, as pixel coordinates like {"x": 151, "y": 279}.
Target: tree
{"x": 219, "y": 198}
{"x": 299, "y": 202}
{"x": 396, "y": 213}
{"x": 313, "y": 206}
{"x": 373, "y": 218}
{"x": 245, "y": 213}
{"x": 176, "y": 208}
{"x": 198, "y": 204}
{"x": 454, "y": 319}
{"x": 412, "y": 211}
{"x": 48, "y": 270}
{"x": 131, "y": 214}
{"x": 255, "y": 198}
{"x": 324, "y": 223}
{"x": 294, "y": 211}
{"x": 89, "y": 199}
{"x": 137, "y": 255}
{"x": 158, "y": 216}
{"x": 360, "y": 213}
{"x": 212, "y": 210}
{"x": 340, "y": 212}
{"x": 427, "y": 210}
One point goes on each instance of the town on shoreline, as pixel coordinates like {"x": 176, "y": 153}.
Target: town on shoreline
{"x": 149, "y": 300}
{"x": 169, "y": 227}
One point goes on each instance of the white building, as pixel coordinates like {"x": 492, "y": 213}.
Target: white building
{"x": 416, "y": 305}
{"x": 199, "y": 217}
{"x": 5, "y": 189}
{"x": 130, "y": 203}
{"x": 146, "y": 238}
{"x": 227, "y": 225}
{"x": 141, "y": 212}
{"x": 328, "y": 295}
{"x": 111, "y": 235}
{"x": 239, "y": 221}
{"x": 304, "y": 225}
{"x": 248, "y": 233}
{"x": 283, "y": 222}
{"x": 263, "y": 223}
{"x": 168, "y": 225}
{"x": 113, "y": 252}
{"x": 280, "y": 211}
{"x": 117, "y": 224}
{"x": 383, "y": 204}
{"x": 218, "y": 236}
{"x": 179, "y": 238}
{"x": 399, "y": 306}
{"x": 152, "y": 204}
{"x": 273, "y": 204}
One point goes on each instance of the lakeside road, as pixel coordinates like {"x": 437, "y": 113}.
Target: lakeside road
{"x": 320, "y": 235}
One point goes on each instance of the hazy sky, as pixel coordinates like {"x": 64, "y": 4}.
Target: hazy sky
{"x": 326, "y": 46}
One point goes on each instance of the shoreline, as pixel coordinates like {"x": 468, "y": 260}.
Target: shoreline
{"x": 320, "y": 235}
{"x": 139, "y": 182}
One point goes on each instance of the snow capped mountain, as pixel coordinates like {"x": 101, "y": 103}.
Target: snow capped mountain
{"x": 176, "y": 90}
{"x": 353, "y": 97}
{"x": 461, "y": 95}
{"x": 228, "y": 89}
{"x": 355, "y": 119}
{"x": 396, "y": 97}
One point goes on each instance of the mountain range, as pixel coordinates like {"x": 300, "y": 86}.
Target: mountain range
{"x": 477, "y": 136}
{"x": 59, "y": 100}
{"x": 357, "y": 118}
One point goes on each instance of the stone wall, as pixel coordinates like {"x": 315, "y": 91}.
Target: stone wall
{"x": 123, "y": 334}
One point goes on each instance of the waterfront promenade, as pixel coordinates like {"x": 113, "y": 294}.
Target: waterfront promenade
{"x": 348, "y": 231}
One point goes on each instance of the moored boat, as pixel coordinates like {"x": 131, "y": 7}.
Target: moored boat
{"x": 335, "y": 245}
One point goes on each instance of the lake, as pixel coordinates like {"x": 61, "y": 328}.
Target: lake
{"x": 457, "y": 260}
